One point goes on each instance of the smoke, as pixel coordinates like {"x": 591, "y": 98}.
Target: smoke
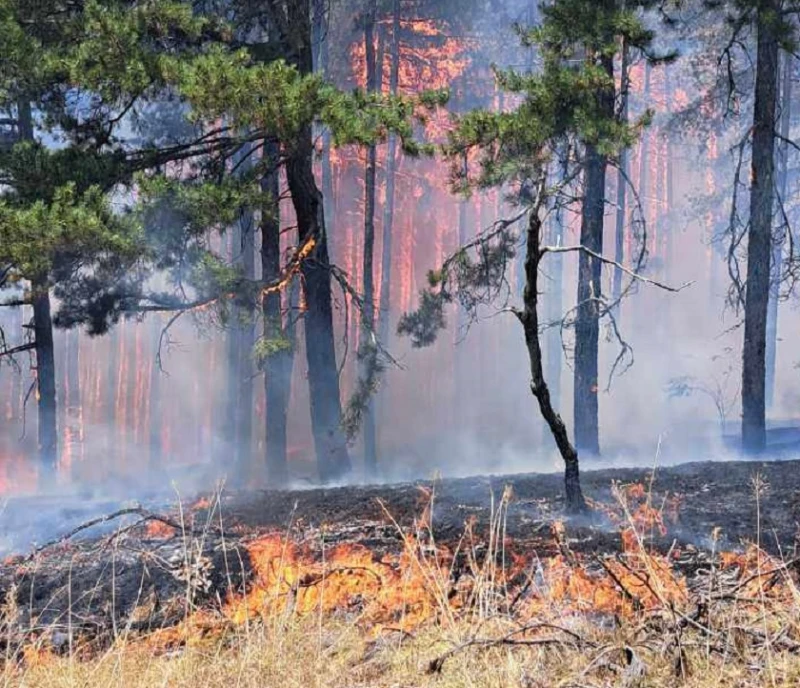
{"x": 462, "y": 407}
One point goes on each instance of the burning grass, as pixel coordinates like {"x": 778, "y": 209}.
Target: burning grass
{"x": 484, "y": 609}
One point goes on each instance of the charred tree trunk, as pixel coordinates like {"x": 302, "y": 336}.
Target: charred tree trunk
{"x": 45, "y": 381}
{"x": 45, "y": 352}
{"x": 777, "y": 249}
{"x": 367, "y": 352}
{"x": 278, "y": 365}
{"x": 529, "y": 317}
{"x": 246, "y": 343}
{"x": 587, "y": 325}
{"x": 323, "y": 377}
{"x": 760, "y": 233}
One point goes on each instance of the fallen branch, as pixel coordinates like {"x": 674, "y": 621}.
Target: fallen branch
{"x": 435, "y": 665}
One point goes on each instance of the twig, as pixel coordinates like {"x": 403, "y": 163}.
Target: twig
{"x": 435, "y": 665}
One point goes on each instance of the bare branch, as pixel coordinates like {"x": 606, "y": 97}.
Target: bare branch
{"x": 608, "y": 261}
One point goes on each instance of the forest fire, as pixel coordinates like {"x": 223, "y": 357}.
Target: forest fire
{"x": 498, "y": 582}
{"x": 267, "y": 267}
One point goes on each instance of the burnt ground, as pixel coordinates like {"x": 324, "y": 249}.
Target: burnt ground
{"x": 121, "y": 573}
{"x": 712, "y": 495}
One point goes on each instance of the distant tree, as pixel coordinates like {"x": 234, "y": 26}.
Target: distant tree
{"x": 746, "y": 43}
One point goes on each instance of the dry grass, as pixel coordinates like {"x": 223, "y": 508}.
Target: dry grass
{"x": 301, "y": 657}
{"x": 628, "y": 621}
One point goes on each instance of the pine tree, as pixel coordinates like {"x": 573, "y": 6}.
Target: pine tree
{"x": 569, "y": 105}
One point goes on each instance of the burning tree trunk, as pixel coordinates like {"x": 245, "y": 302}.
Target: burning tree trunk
{"x": 760, "y": 232}
{"x": 777, "y": 249}
{"x": 529, "y": 317}
{"x": 587, "y": 325}
{"x": 367, "y": 347}
{"x": 278, "y": 360}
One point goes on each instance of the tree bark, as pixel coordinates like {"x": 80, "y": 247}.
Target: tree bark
{"x": 760, "y": 232}
{"x": 555, "y": 306}
{"x": 45, "y": 353}
{"x": 622, "y": 181}
{"x": 323, "y": 377}
{"x": 367, "y": 356}
{"x": 384, "y": 313}
{"x": 575, "y": 502}
{"x": 777, "y": 249}
{"x": 46, "y": 382}
{"x": 587, "y": 325}
{"x": 156, "y": 421}
{"x": 278, "y": 366}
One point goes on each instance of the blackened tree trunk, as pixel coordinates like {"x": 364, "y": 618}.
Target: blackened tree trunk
{"x": 46, "y": 381}
{"x": 777, "y": 249}
{"x": 587, "y": 325}
{"x": 45, "y": 353}
{"x": 246, "y": 326}
{"x": 277, "y": 366}
{"x": 232, "y": 372}
{"x": 323, "y": 378}
{"x": 529, "y": 317}
{"x": 760, "y": 233}
{"x": 367, "y": 352}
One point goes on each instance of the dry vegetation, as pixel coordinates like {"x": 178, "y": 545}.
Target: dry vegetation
{"x": 477, "y": 612}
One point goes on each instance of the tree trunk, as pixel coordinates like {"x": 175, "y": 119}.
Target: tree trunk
{"x": 232, "y": 372}
{"x": 367, "y": 353}
{"x": 156, "y": 421}
{"x": 555, "y": 305}
{"x": 575, "y": 502}
{"x": 246, "y": 343}
{"x": 278, "y": 366}
{"x": 388, "y": 206}
{"x": 323, "y": 377}
{"x": 777, "y": 249}
{"x": 45, "y": 353}
{"x": 622, "y": 181}
{"x": 460, "y": 363}
{"x": 760, "y": 232}
{"x": 46, "y": 382}
{"x": 241, "y": 338}
{"x": 587, "y": 325}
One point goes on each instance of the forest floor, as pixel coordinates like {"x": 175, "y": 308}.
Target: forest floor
{"x": 688, "y": 575}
